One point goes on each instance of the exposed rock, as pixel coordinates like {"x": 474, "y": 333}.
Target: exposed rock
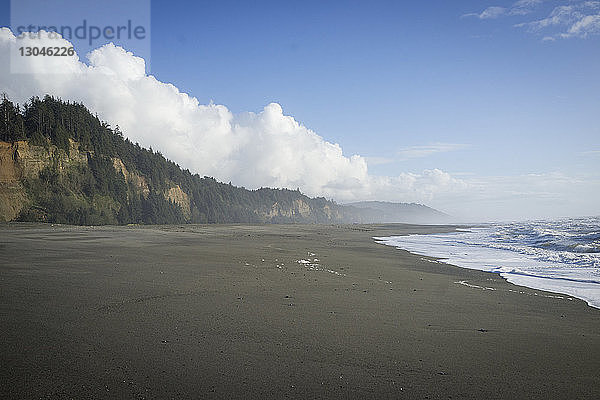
{"x": 9, "y": 170}
{"x": 299, "y": 208}
{"x": 139, "y": 182}
{"x": 20, "y": 160}
{"x": 12, "y": 200}
{"x": 179, "y": 197}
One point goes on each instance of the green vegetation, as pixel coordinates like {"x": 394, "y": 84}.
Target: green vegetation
{"x": 94, "y": 192}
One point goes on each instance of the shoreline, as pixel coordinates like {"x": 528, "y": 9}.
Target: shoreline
{"x": 507, "y": 264}
{"x": 228, "y": 311}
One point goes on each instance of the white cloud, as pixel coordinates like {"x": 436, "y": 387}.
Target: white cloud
{"x": 488, "y": 13}
{"x": 573, "y": 19}
{"x": 521, "y": 7}
{"x": 524, "y": 7}
{"x": 427, "y": 150}
{"x": 577, "y": 19}
{"x": 561, "y": 15}
{"x": 267, "y": 148}
{"x": 588, "y": 25}
{"x": 419, "y": 187}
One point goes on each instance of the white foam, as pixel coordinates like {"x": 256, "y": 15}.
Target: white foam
{"x": 465, "y": 283}
{"x": 461, "y": 249}
{"x": 314, "y": 266}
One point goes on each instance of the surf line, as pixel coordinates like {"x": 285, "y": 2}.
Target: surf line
{"x": 465, "y": 283}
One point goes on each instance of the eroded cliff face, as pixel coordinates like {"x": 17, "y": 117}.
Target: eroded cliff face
{"x": 136, "y": 180}
{"x": 174, "y": 193}
{"x": 299, "y": 208}
{"x": 181, "y": 198}
{"x": 20, "y": 160}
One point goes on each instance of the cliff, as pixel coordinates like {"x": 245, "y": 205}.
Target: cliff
{"x": 381, "y": 211}
{"x": 21, "y": 161}
{"x": 23, "y": 165}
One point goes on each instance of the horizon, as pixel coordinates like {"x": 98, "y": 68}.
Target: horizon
{"x": 484, "y": 113}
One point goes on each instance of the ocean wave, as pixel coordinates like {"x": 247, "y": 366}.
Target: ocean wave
{"x": 561, "y": 256}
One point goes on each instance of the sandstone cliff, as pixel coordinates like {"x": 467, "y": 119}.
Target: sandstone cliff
{"x": 20, "y": 160}
{"x": 176, "y": 195}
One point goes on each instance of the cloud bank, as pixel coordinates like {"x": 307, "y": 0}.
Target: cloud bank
{"x": 267, "y": 148}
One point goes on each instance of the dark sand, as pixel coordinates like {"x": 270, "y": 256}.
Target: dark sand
{"x": 194, "y": 311}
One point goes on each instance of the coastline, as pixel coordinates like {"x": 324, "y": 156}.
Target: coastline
{"x": 518, "y": 267}
{"x": 194, "y": 311}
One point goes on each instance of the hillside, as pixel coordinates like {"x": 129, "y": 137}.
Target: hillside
{"x": 381, "y": 211}
{"x": 61, "y": 164}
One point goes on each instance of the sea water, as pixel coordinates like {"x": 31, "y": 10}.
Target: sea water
{"x": 561, "y": 256}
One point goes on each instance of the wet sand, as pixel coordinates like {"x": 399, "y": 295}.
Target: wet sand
{"x": 228, "y": 312}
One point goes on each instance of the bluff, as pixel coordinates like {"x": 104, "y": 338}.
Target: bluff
{"x": 381, "y": 211}
{"x": 61, "y": 164}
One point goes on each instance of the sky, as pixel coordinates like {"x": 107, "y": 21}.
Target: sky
{"x": 486, "y": 110}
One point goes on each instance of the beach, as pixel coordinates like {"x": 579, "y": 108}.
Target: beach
{"x": 275, "y": 311}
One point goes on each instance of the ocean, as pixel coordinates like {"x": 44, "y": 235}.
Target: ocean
{"x": 561, "y": 256}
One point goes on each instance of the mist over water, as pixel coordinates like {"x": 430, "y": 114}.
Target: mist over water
{"x": 559, "y": 255}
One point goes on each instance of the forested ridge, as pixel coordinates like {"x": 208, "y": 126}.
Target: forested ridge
{"x": 96, "y": 192}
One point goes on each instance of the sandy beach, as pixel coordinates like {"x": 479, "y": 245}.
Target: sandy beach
{"x": 237, "y": 311}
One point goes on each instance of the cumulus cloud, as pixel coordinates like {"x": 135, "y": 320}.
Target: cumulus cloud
{"x": 267, "y": 148}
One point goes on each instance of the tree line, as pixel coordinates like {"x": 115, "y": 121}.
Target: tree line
{"x": 96, "y": 193}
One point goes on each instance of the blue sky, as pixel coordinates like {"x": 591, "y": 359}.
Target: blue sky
{"x": 380, "y": 76}
{"x": 411, "y": 86}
